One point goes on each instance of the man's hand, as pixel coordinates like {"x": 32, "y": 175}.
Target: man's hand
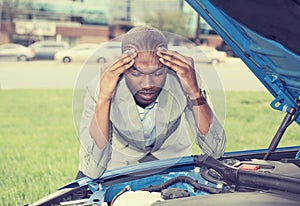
{"x": 112, "y": 73}
{"x": 184, "y": 68}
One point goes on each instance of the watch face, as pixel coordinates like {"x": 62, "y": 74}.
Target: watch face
{"x": 203, "y": 93}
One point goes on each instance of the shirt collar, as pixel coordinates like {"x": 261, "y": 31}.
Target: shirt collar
{"x": 149, "y": 107}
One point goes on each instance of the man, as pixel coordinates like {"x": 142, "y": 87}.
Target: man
{"x": 146, "y": 105}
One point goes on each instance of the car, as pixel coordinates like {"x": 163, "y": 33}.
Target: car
{"x": 78, "y": 53}
{"x": 90, "y": 52}
{"x": 47, "y": 49}
{"x": 201, "y": 53}
{"x": 262, "y": 176}
{"x": 214, "y": 56}
{"x": 108, "y": 51}
{"x": 224, "y": 47}
{"x": 12, "y": 51}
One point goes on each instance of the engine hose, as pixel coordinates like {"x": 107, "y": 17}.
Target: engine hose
{"x": 182, "y": 179}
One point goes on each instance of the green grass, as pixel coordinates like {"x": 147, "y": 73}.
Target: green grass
{"x": 251, "y": 122}
{"x": 39, "y": 144}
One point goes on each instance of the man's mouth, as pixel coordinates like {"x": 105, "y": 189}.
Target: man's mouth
{"x": 147, "y": 95}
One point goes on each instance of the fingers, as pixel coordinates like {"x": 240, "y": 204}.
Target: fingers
{"x": 183, "y": 66}
{"x": 176, "y": 61}
{"x": 123, "y": 62}
{"x": 112, "y": 73}
{"x": 171, "y": 55}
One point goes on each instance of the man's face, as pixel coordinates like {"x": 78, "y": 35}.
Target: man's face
{"x": 146, "y": 78}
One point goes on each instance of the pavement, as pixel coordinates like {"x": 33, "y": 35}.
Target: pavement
{"x": 233, "y": 75}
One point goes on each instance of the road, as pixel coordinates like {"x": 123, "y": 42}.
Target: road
{"x": 232, "y": 75}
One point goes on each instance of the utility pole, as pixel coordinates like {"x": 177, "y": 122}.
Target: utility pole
{"x": 128, "y": 11}
{"x": 198, "y": 31}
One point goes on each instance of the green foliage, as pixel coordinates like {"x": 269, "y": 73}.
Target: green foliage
{"x": 39, "y": 145}
{"x": 170, "y": 21}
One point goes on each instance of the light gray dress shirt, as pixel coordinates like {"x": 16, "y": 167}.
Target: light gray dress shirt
{"x": 147, "y": 116}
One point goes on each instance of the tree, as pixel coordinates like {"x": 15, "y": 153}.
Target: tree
{"x": 9, "y": 9}
{"x": 170, "y": 21}
{"x": 8, "y": 13}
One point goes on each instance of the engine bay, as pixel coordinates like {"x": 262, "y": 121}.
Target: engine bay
{"x": 200, "y": 180}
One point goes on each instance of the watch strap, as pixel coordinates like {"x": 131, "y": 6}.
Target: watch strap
{"x": 198, "y": 101}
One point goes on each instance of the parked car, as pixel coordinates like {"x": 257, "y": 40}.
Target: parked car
{"x": 201, "y": 53}
{"x": 92, "y": 53}
{"x": 259, "y": 177}
{"x": 11, "y": 51}
{"x": 108, "y": 51}
{"x": 214, "y": 56}
{"x": 224, "y": 47}
{"x": 80, "y": 52}
{"x": 47, "y": 49}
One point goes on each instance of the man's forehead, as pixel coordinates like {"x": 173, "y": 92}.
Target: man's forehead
{"x": 150, "y": 53}
{"x": 147, "y": 56}
{"x": 147, "y": 61}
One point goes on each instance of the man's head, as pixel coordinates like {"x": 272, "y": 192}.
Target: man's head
{"x": 143, "y": 38}
{"x": 146, "y": 77}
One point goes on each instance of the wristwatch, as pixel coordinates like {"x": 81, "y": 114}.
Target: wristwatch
{"x": 198, "y": 101}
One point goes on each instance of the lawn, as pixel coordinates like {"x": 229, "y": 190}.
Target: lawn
{"x": 39, "y": 144}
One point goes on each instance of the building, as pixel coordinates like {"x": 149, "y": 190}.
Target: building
{"x": 72, "y": 21}
{"x": 94, "y": 21}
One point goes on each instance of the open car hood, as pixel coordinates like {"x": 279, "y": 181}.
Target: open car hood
{"x": 265, "y": 35}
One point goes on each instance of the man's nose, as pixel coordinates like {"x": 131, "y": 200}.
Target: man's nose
{"x": 147, "y": 81}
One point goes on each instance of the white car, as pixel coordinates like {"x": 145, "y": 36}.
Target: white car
{"x": 201, "y": 53}
{"x": 214, "y": 56}
{"x": 92, "y": 53}
{"x": 79, "y": 53}
{"x": 17, "y": 52}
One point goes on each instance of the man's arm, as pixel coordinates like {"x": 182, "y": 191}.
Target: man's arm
{"x": 92, "y": 160}
{"x": 184, "y": 68}
{"x": 202, "y": 112}
{"x": 209, "y": 132}
{"x": 99, "y": 128}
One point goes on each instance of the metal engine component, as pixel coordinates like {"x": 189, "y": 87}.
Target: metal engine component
{"x": 137, "y": 198}
{"x": 174, "y": 193}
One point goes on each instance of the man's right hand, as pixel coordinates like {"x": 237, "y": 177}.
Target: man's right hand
{"x": 113, "y": 71}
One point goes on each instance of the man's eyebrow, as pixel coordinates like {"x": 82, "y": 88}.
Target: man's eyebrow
{"x": 134, "y": 68}
{"x": 157, "y": 69}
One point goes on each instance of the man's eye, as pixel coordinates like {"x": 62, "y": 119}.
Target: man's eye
{"x": 159, "y": 72}
{"x": 136, "y": 73}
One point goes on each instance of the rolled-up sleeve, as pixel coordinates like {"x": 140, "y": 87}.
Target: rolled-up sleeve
{"x": 214, "y": 142}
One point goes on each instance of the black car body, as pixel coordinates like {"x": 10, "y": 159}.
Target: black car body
{"x": 269, "y": 46}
